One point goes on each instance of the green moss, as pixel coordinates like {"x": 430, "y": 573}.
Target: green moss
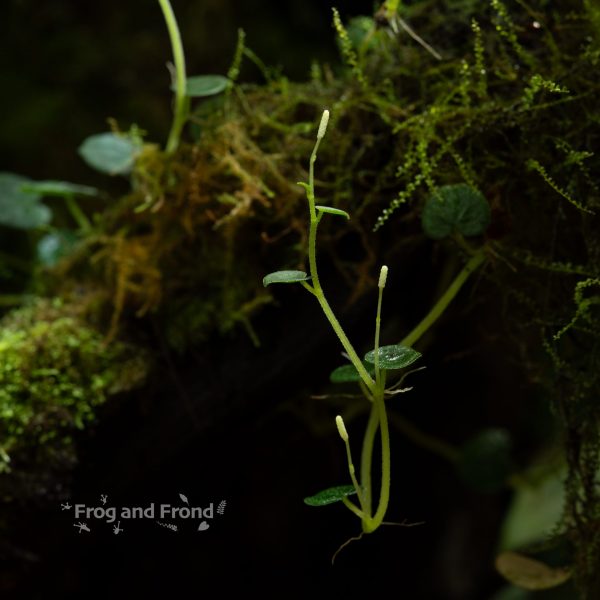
{"x": 55, "y": 371}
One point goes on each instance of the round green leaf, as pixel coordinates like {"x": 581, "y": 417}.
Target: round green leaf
{"x": 348, "y": 373}
{"x": 333, "y": 211}
{"x": 59, "y": 188}
{"x": 18, "y": 208}
{"x": 200, "y": 86}
{"x": 285, "y": 277}
{"x": 53, "y": 246}
{"x": 455, "y": 208}
{"x": 330, "y": 495}
{"x": 485, "y": 460}
{"x": 109, "y": 153}
{"x": 393, "y": 357}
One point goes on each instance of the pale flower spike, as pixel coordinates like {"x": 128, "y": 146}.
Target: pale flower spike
{"x": 323, "y": 125}
{"x": 383, "y": 277}
{"x": 341, "y": 428}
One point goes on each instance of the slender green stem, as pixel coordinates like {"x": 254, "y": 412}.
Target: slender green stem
{"x": 366, "y": 459}
{"x": 378, "y": 416}
{"x": 371, "y": 524}
{"x": 310, "y": 192}
{"x": 316, "y": 284}
{"x": 373, "y": 389}
{"x": 77, "y": 214}
{"x": 441, "y": 305}
{"x": 352, "y": 471}
{"x": 359, "y": 513}
{"x": 181, "y": 99}
{"x": 377, "y": 330}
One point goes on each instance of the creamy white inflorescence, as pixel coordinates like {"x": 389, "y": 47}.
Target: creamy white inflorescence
{"x": 383, "y": 276}
{"x": 323, "y": 125}
{"x": 341, "y": 428}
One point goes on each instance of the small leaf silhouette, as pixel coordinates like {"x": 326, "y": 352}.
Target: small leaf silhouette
{"x": 109, "y": 153}
{"x": 184, "y": 498}
{"x": 330, "y": 495}
{"x": 455, "y": 208}
{"x": 348, "y": 373}
{"x": 201, "y": 86}
{"x": 285, "y": 277}
{"x": 333, "y": 211}
{"x": 394, "y": 356}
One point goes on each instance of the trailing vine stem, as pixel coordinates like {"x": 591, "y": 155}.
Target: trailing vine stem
{"x": 373, "y": 389}
{"x": 377, "y": 411}
{"x": 316, "y": 288}
{"x": 181, "y": 100}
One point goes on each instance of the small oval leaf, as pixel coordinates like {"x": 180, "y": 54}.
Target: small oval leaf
{"x": 56, "y": 245}
{"x": 455, "y": 208}
{"x": 528, "y": 573}
{"x": 108, "y": 153}
{"x": 59, "y": 188}
{"x": 394, "y": 356}
{"x": 18, "y": 208}
{"x": 333, "y": 211}
{"x": 330, "y": 495}
{"x": 285, "y": 277}
{"x": 201, "y": 86}
{"x": 348, "y": 373}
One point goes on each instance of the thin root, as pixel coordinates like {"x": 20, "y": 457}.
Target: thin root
{"x": 346, "y": 543}
{"x": 359, "y": 537}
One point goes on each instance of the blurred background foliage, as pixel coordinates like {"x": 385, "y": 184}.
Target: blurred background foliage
{"x": 66, "y": 66}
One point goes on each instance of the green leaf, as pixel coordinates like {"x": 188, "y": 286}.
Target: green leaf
{"x": 348, "y": 373}
{"x": 528, "y": 573}
{"x": 333, "y": 211}
{"x": 485, "y": 461}
{"x": 20, "y": 209}
{"x": 59, "y": 188}
{"x": 455, "y": 208}
{"x": 109, "y": 153}
{"x": 201, "y": 86}
{"x": 285, "y": 277}
{"x": 54, "y": 246}
{"x": 330, "y": 495}
{"x": 393, "y": 357}
{"x": 534, "y": 511}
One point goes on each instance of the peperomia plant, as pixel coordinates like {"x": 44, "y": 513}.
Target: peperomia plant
{"x": 459, "y": 212}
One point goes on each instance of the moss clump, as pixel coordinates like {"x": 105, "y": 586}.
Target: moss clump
{"x": 54, "y": 371}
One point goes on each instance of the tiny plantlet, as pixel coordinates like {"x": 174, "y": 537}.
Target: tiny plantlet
{"x": 371, "y": 373}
